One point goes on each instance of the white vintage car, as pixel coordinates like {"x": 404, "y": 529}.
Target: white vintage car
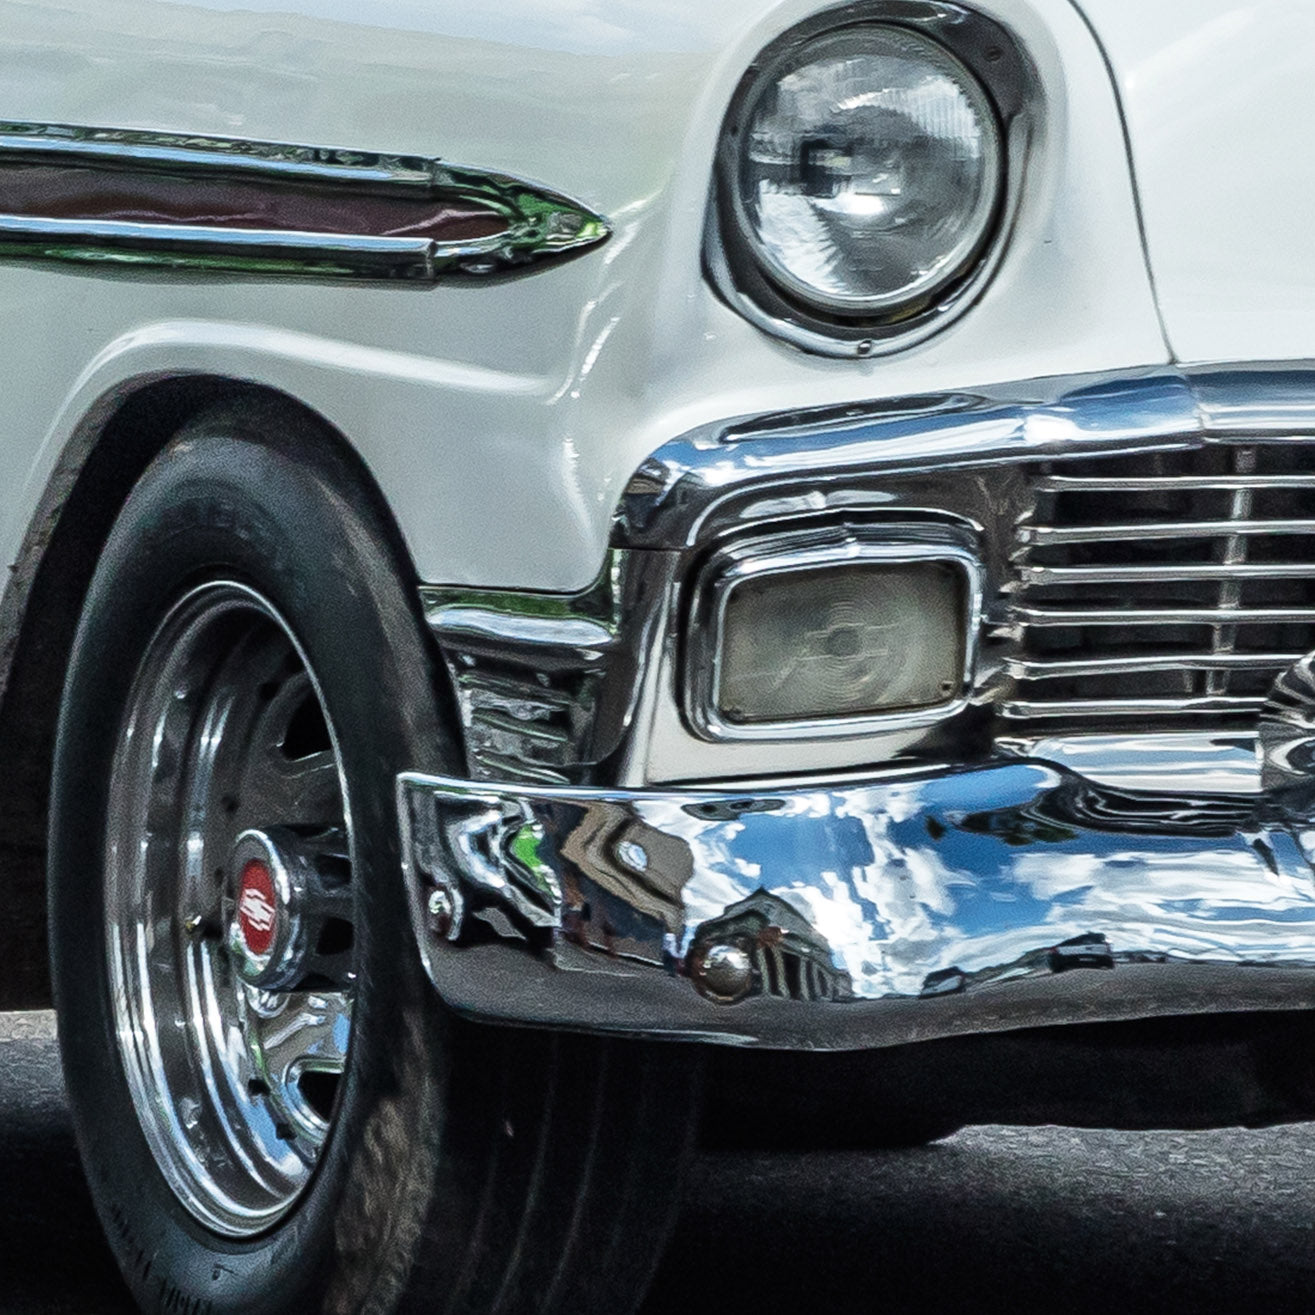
{"x": 699, "y": 534}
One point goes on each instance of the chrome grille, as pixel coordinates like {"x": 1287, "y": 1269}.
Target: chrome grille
{"x": 1168, "y": 587}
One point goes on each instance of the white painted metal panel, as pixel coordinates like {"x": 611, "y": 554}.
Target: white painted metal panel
{"x": 503, "y": 420}
{"x": 1220, "y": 100}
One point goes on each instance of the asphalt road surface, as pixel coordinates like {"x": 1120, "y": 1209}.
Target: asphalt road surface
{"x": 994, "y": 1219}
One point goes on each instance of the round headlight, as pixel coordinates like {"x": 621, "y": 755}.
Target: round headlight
{"x": 869, "y": 171}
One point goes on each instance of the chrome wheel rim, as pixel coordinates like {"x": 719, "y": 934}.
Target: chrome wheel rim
{"x": 232, "y": 989}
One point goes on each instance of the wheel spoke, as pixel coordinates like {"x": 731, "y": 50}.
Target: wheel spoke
{"x": 301, "y": 1043}
{"x": 310, "y": 1031}
{"x": 293, "y": 792}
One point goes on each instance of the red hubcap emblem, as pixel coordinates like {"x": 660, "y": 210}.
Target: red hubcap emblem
{"x": 257, "y": 908}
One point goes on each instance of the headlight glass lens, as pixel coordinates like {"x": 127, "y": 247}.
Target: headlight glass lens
{"x": 842, "y": 640}
{"x": 869, "y": 170}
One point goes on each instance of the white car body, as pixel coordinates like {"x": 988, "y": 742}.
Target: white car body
{"x": 572, "y": 453}
{"x": 503, "y": 421}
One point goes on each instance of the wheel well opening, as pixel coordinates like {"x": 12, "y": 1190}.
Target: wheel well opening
{"x": 48, "y": 583}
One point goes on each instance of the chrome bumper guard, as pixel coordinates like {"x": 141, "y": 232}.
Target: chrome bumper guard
{"x": 865, "y": 913}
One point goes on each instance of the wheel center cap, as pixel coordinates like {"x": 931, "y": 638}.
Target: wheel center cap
{"x": 265, "y": 931}
{"x": 257, "y": 908}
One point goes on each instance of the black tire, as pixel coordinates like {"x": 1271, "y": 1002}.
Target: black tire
{"x": 468, "y": 1169}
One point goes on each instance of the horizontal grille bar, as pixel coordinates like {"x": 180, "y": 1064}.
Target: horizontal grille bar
{"x": 1218, "y": 703}
{"x": 1171, "y": 483}
{"x": 1048, "y": 534}
{"x": 1112, "y": 666}
{"x": 1164, "y": 616}
{"x": 1168, "y": 571}
{"x": 544, "y": 733}
{"x": 514, "y": 767}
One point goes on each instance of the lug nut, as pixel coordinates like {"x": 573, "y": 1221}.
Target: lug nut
{"x": 199, "y": 927}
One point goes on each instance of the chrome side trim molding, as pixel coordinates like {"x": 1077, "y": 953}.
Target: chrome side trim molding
{"x": 106, "y": 195}
{"x": 200, "y": 247}
{"x": 872, "y": 912}
{"x": 133, "y": 149}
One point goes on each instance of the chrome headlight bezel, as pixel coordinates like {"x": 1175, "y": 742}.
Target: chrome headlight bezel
{"x": 744, "y": 279}
{"x": 819, "y": 548}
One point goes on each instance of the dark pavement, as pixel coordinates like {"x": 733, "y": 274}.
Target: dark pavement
{"x": 995, "y": 1219}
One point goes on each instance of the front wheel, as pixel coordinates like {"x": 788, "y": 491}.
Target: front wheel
{"x": 275, "y": 1111}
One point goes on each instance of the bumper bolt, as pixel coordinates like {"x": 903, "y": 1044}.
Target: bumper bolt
{"x": 441, "y": 911}
{"x": 724, "y": 972}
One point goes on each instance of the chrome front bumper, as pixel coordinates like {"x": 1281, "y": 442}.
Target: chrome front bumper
{"x": 1030, "y": 862}
{"x": 860, "y": 913}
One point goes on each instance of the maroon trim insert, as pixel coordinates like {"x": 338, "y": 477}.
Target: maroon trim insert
{"x": 41, "y": 191}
